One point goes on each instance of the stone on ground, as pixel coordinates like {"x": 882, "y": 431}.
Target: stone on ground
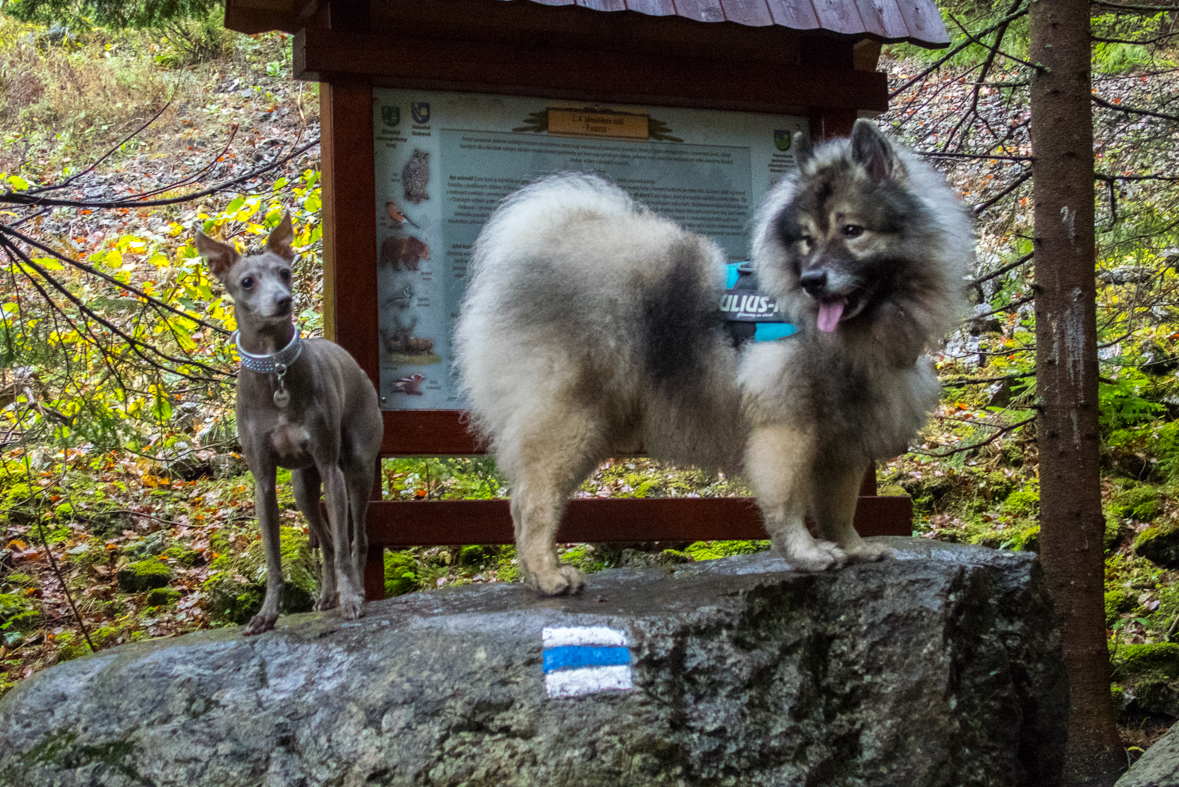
{"x": 1159, "y": 767}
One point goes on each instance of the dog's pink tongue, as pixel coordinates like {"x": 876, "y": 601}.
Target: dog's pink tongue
{"x": 829, "y": 314}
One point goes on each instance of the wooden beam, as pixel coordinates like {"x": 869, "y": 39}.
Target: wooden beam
{"x": 583, "y": 75}
{"x": 428, "y": 433}
{"x": 399, "y": 524}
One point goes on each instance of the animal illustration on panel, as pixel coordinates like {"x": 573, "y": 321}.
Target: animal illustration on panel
{"x": 415, "y": 177}
{"x": 591, "y": 328}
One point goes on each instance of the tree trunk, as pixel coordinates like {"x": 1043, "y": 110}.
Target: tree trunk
{"x": 1071, "y": 522}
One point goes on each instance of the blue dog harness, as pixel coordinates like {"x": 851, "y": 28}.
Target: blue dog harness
{"x": 751, "y": 315}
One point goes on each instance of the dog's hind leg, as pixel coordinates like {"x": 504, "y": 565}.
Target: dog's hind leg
{"x": 350, "y": 591}
{"x": 779, "y": 461}
{"x": 553, "y": 460}
{"x": 835, "y": 492}
{"x": 361, "y": 473}
{"x": 307, "y": 487}
{"x": 266, "y": 507}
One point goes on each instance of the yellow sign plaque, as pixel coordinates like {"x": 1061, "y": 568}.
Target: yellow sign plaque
{"x": 605, "y": 123}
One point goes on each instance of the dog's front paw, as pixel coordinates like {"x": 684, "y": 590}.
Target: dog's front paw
{"x": 822, "y": 556}
{"x": 351, "y": 606}
{"x": 565, "y": 581}
{"x": 868, "y": 552}
{"x": 325, "y": 602}
{"x": 260, "y": 623}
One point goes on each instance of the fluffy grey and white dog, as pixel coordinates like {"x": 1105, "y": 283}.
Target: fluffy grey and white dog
{"x": 591, "y": 328}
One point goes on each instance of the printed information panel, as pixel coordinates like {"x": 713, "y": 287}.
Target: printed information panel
{"x": 445, "y": 160}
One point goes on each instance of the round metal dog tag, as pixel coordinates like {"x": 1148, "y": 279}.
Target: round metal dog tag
{"x": 282, "y": 397}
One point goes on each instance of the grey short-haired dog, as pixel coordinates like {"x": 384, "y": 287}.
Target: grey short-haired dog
{"x": 592, "y": 328}
{"x": 302, "y": 404}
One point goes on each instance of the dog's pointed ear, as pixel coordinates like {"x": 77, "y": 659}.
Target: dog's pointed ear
{"x": 280, "y": 238}
{"x": 220, "y": 257}
{"x": 872, "y": 150}
{"x": 802, "y": 147}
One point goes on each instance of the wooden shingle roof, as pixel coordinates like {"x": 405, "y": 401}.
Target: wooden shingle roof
{"x": 917, "y": 21}
{"x": 914, "y": 21}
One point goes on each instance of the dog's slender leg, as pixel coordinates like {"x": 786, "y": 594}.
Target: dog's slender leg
{"x": 360, "y": 473}
{"x": 836, "y": 490}
{"x": 308, "y": 490}
{"x": 779, "y": 461}
{"x": 266, "y": 507}
{"x": 350, "y": 591}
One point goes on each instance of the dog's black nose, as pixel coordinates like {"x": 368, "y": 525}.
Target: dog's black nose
{"x": 814, "y": 281}
{"x": 283, "y": 303}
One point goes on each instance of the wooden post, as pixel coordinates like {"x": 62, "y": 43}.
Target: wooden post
{"x": 349, "y": 249}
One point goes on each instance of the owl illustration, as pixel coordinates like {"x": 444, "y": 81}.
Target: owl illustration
{"x": 416, "y": 175}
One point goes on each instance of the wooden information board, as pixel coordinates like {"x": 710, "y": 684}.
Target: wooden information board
{"x": 425, "y": 172}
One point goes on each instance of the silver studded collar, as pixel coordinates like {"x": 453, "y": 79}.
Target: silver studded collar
{"x": 274, "y": 362}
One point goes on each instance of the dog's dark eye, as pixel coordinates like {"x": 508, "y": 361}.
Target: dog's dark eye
{"x": 807, "y": 241}
{"x": 852, "y": 230}
{"x": 285, "y": 275}
{"x": 248, "y": 282}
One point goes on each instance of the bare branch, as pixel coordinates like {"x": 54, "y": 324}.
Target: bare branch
{"x": 1034, "y": 66}
{"x": 139, "y": 347}
{"x": 1101, "y": 102}
{"x": 1001, "y": 430}
{"x": 1163, "y": 178}
{"x": 964, "y": 123}
{"x": 963, "y": 381}
{"x": 1013, "y": 305}
{"x": 1000, "y": 271}
{"x": 950, "y": 53}
{"x": 1149, "y": 9}
{"x": 1136, "y": 42}
{"x": 975, "y": 156}
{"x": 1022, "y": 178}
{"x": 22, "y": 198}
{"x": 112, "y": 280}
{"x": 104, "y": 156}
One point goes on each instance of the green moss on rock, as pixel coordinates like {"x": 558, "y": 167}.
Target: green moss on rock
{"x": 16, "y": 612}
{"x": 1117, "y": 602}
{"x": 1141, "y": 662}
{"x": 401, "y": 573}
{"x": 237, "y": 583}
{"x": 711, "y": 550}
{"x": 1023, "y": 502}
{"x": 183, "y": 555}
{"x": 144, "y": 575}
{"x": 163, "y": 597}
{"x": 1139, "y": 502}
{"x": 1160, "y": 545}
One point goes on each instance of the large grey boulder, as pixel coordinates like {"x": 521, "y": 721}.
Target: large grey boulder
{"x": 1159, "y": 767}
{"x": 941, "y": 668}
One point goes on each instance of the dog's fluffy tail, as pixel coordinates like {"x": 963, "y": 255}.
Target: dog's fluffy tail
{"x": 525, "y": 223}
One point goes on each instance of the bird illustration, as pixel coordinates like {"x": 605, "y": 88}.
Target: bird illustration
{"x": 410, "y": 385}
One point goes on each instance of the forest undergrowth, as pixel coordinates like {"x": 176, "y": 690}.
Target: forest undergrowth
{"x": 125, "y": 512}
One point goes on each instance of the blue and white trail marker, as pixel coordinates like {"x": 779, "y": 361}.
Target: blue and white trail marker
{"x": 585, "y": 660}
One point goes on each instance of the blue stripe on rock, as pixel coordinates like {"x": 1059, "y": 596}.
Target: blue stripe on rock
{"x": 572, "y": 657}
